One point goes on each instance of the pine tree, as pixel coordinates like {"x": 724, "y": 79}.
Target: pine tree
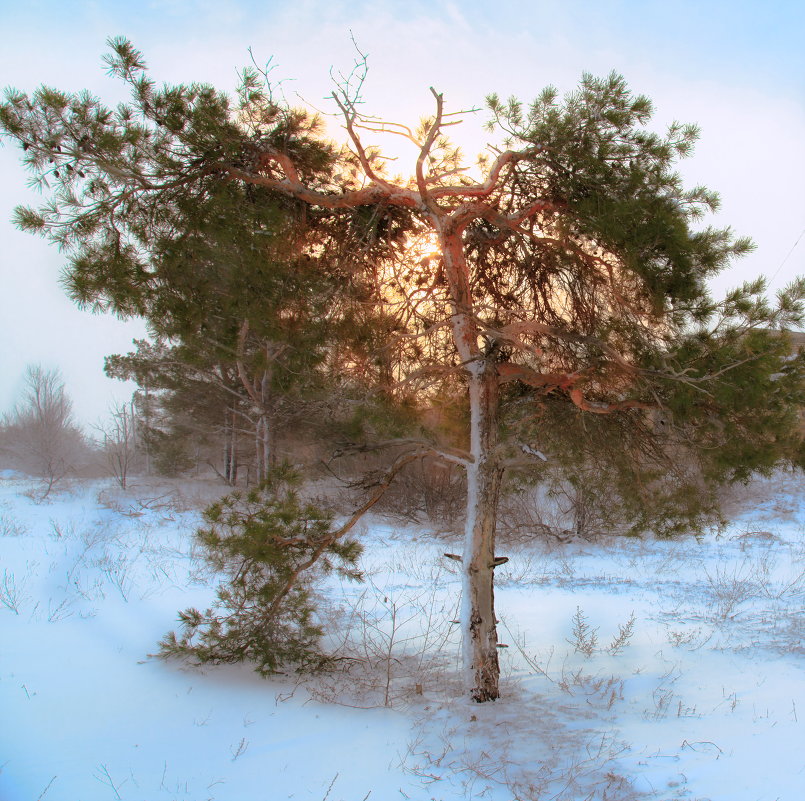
{"x": 558, "y": 303}
{"x": 269, "y": 546}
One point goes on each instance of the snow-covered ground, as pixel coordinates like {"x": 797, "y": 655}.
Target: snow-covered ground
{"x": 634, "y": 669}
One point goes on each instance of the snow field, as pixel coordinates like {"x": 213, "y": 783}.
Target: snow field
{"x": 700, "y": 696}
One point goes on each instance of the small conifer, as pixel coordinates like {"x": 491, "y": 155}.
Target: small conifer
{"x": 268, "y": 545}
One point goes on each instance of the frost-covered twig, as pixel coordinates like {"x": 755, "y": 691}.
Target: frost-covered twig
{"x": 11, "y": 593}
{"x": 585, "y": 638}
{"x": 105, "y": 778}
{"x": 240, "y": 749}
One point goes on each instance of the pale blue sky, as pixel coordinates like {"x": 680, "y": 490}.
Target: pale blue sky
{"x": 737, "y": 68}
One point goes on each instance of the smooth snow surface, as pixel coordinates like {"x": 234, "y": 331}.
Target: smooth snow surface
{"x": 702, "y": 698}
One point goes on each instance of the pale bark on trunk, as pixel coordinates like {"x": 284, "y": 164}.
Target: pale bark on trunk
{"x": 262, "y": 396}
{"x": 261, "y": 449}
{"x": 147, "y": 421}
{"x": 231, "y": 447}
{"x": 265, "y": 433}
{"x": 268, "y": 422}
{"x": 484, "y": 474}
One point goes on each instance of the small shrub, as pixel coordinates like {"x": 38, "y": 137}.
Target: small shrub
{"x": 585, "y": 638}
{"x": 624, "y": 635}
{"x": 9, "y": 527}
{"x": 269, "y": 545}
{"x": 12, "y": 593}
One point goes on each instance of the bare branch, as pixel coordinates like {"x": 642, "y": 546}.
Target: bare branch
{"x": 596, "y": 407}
{"x": 454, "y": 455}
{"x": 490, "y": 184}
{"x": 424, "y": 152}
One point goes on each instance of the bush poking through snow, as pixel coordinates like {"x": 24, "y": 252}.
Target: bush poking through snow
{"x": 269, "y": 545}
{"x": 12, "y": 594}
{"x": 585, "y": 638}
{"x": 621, "y": 639}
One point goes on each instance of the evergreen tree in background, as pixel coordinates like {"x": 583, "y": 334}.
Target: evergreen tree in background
{"x": 555, "y": 305}
{"x": 188, "y": 410}
{"x": 241, "y": 284}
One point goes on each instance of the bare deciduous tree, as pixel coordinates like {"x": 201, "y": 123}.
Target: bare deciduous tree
{"x": 118, "y": 440}
{"x": 40, "y": 433}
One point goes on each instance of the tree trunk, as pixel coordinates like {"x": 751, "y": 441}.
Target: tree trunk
{"x": 264, "y": 446}
{"x": 266, "y": 452}
{"x": 484, "y": 474}
{"x": 147, "y": 421}
{"x": 233, "y": 449}
{"x": 580, "y": 507}
{"x": 260, "y": 449}
{"x": 230, "y": 447}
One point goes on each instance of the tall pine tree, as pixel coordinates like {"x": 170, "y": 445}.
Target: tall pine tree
{"x": 567, "y": 283}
